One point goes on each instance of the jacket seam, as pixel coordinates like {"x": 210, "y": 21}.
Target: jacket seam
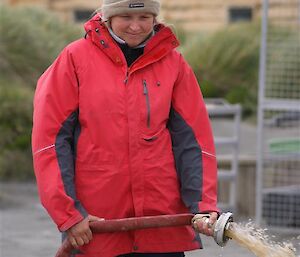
{"x": 44, "y": 149}
{"x": 209, "y": 154}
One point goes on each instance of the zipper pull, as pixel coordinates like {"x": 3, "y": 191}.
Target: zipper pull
{"x": 145, "y": 87}
{"x": 126, "y": 78}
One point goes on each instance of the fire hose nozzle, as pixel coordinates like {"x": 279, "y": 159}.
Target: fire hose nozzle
{"x": 222, "y": 224}
{"x": 219, "y": 227}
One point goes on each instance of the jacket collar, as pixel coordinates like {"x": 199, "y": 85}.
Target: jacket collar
{"x": 121, "y": 41}
{"x": 161, "y": 44}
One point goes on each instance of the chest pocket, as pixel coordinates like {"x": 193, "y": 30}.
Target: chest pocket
{"x": 147, "y": 104}
{"x": 155, "y": 103}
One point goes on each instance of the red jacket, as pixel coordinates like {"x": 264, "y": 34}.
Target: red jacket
{"x": 118, "y": 142}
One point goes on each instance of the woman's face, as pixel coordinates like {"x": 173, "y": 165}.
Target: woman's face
{"x": 133, "y": 28}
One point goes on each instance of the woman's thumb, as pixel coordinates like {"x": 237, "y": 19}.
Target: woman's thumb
{"x": 94, "y": 218}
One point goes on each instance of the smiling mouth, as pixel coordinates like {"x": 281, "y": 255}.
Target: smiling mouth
{"x": 133, "y": 35}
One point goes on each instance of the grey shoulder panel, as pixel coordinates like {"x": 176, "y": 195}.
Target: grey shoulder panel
{"x": 188, "y": 160}
{"x": 65, "y": 146}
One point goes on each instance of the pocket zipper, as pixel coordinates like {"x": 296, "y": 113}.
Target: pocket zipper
{"x": 146, "y": 94}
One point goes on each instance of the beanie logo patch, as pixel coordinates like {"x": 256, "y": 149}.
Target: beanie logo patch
{"x": 137, "y": 5}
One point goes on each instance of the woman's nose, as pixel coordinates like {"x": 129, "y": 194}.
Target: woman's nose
{"x": 134, "y": 26}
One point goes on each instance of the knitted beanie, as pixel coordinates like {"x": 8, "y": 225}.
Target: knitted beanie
{"x": 115, "y": 7}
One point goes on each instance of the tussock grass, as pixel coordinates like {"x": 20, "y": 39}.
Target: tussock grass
{"x": 30, "y": 40}
{"x": 226, "y": 63}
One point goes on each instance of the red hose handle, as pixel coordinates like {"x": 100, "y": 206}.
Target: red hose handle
{"x": 119, "y": 225}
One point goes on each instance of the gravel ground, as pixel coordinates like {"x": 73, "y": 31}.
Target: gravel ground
{"x": 27, "y": 231}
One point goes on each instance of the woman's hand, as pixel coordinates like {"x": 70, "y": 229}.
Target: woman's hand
{"x": 205, "y": 225}
{"x": 81, "y": 234}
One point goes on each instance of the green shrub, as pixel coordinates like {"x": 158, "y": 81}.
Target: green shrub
{"x": 226, "y": 63}
{"x": 30, "y": 40}
{"x": 15, "y": 117}
{"x": 16, "y": 165}
{"x": 15, "y": 130}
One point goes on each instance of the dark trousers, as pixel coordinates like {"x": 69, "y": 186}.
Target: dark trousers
{"x": 152, "y": 255}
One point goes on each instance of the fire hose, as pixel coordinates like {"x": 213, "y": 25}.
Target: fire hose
{"x": 127, "y": 224}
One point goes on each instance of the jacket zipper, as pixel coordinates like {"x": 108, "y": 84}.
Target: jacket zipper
{"x": 146, "y": 94}
{"x": 126, "y": 77}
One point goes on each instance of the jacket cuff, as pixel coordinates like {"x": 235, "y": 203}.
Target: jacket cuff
{"x": 70, "y": 222}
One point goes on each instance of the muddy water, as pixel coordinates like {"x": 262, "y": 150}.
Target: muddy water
{"x": 257, "y": 241}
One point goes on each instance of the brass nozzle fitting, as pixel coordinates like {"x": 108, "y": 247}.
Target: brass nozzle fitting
{"x": 219, "y": 227}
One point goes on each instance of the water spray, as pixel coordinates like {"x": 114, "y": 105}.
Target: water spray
{"x": 254, "y": 239}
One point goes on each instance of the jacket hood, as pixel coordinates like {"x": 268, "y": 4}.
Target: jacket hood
{"x": 97, "y": 18}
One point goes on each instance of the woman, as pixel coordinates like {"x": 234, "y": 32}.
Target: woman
{"x": 121, "y": 130}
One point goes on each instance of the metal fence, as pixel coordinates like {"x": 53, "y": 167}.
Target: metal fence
{"x": 278, "y": 144}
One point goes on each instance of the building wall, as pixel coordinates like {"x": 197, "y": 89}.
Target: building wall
{"x": 192, "y": 15}
{"x": 205, "y": 14}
